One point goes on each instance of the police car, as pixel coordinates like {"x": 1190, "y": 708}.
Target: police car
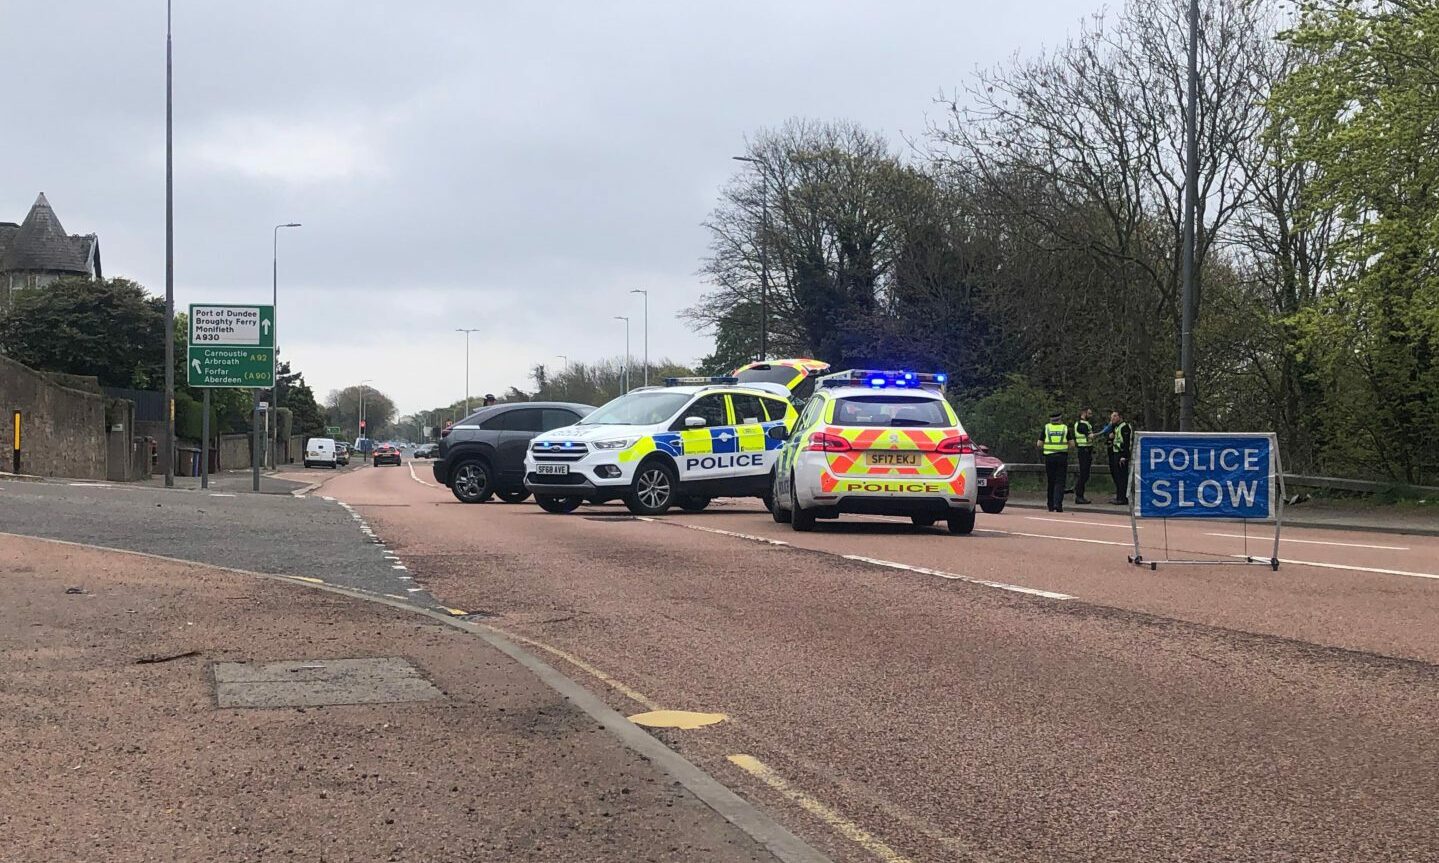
{"x": 682, "y": 444}
{"x": 877, "y": 442}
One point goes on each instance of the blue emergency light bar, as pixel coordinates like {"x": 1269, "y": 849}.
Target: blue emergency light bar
{"x": 717, "y": 379}
{"x": 884, "y": 379}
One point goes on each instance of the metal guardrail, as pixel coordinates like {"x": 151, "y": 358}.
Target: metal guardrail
{"x": 1298, "y": 480}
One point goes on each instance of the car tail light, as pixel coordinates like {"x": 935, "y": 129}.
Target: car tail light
{"x": 822, "y": 442}
{"x": 960, "y": 445}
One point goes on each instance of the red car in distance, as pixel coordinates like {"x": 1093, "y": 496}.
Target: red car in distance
{"x": 993, "y": 481}
{"x": 386, "y": 454}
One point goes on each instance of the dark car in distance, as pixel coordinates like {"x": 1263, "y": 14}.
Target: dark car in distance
{"x": 483, "y": 455}
{"x": 426, "y": 450}
{"x": 386, "y": 454}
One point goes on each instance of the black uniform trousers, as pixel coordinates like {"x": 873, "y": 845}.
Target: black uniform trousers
{"x": 1056, "y": 469}
{"x": 1119, "y": 469}
{"x": 1086, "y": 456}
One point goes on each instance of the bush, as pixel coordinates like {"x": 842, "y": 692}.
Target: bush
{"x": 1010, "y": 419}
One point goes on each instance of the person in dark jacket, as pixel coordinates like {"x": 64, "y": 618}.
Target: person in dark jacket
{"x": 1121, "y": 442}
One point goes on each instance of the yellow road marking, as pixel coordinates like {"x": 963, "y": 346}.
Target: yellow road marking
{"x": 632, "y": 694}
{"x": 837, "y": 822}
{"x": 457, "y": 612}
{"x": 684, "y": 720}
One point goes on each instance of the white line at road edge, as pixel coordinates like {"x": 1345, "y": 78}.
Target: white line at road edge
{"x": 1315, "y": 542}
{"x": 1375, "y": 569}
{"x": 873, "y": 561}
{"x": 417, "y": 479}
{"x": 1077, "y": 521}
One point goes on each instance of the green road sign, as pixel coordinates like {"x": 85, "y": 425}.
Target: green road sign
{"x": 219, "y": 325}
{"x": 332, "y": 431}
{"x": 230, "y": 367}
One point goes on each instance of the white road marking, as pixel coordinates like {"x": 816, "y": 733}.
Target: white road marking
{"x": 413, "y": 589}
{"x": 91, "y": 485}
{"x": 999, "y": 585}
{"x": 1344, "y": 566}
{"x": 1077, "y": 521}
{"x": 417, "y": 479}
{"x": 1052, "y": 536}
{"x": 400, "y": 566}
{"x": 331, "y": 499}
{"x": 1316, "y": 542}
{"x": 735, "y": 534}
{"x": 220, "y": 494}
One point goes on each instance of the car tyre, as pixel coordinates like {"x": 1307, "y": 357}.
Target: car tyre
{"x": 558, "y": 505}
{"x": 513, "y": 496}
{"x": 962, "y": 522}
{"x": 693, "y": 503}
{"x": 993, "y": 508}
{"x": 779, "y": 514}
{"x": 653, "y": 492}
{"x": 472, "y": 481}
{"x": 800, "y": 519}
{"x": 924, "y": 520}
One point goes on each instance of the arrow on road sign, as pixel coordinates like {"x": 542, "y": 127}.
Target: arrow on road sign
{"x": 196, "y": 364}
{"x": 265, "y": 325}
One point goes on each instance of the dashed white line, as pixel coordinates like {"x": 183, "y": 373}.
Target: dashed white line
{"x": 749, "y": 536}
{"x": 220, "y": 494}
{"x": 1344, "y": 566}
{"x": 999, "y": 585}
{"x": 91, "y": 485}
{"x": 1052, "y": 536}
{"x": 1316, "y": 542}
{"x": 1077, "y": 521}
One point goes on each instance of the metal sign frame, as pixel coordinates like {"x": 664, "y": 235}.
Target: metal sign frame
{"x": 1277, "y": 495}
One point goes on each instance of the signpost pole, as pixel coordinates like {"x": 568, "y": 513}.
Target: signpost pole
{"x": 255, "y": 441}
{"x": 15, "y": 466}
{"x": 205, "y": 441}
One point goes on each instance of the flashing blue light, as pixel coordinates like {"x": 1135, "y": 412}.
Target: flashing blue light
{"x": 876, "y": 382}
{"x": 941, "y": 378}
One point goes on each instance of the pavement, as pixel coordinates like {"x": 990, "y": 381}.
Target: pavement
{"x": 114, "y": 746}
{"x": 899, "y": 694}
{"x": 287, "y": 481}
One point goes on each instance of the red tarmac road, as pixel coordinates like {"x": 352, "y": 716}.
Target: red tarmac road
{"x": 1028, "y": 696}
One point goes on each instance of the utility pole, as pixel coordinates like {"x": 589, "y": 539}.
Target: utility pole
{"x": 275, "y": 313}
{"x": 363, "y": 432}
{"x": 762, "y": 243}
{"x": 467, "y": 364}
{"x": 647, "y": 332}
{"x": 625, "y": 377}
{"x": 1190, "y": 302}
{"x": 170, "y": 260}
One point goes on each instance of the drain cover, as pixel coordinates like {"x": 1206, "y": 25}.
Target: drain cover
{"x": 320, "y": 682}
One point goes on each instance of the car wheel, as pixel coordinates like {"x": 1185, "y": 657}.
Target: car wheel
{"x": 800, "y": 518}
{"x": 962, "y": 522}
{"x": 519, "y": 496}
{"x": 653, "y": 491}
{"x": 307, "y": 465}
{"x": 558, "y": 505}
{"x": 472, "y": 482}
{"x": 993, "y": 507}
{"x": 693, "y": 504}
{"x": 780, "y": 516}
{"x": 924, "y": 520}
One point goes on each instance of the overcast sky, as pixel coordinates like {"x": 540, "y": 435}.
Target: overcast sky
{"x": 515, "y": 166}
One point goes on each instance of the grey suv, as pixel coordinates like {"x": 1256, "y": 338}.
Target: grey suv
{"x": 483, "y": 455}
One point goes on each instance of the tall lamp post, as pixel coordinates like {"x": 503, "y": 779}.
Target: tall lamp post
{"x": 362, "y": 430}
{"x": 647, "y": 332}
{"x": 170, "y": 266}
{"x": 275, "y": 323}
{"x": 467, "y": 363}
{"x": 1190, "y": 308}
{"x": 625, "y": 378}
{"x": 763, "y": 255}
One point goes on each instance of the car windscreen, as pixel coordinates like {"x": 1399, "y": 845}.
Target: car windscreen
{"x": 645, "y": 408}
{"x": 890, "y": 411}
{"x": 781, "y": 375}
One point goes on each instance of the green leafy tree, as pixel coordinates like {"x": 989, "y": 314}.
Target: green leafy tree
{"x": 107, "y": 328}
{"x": 342, "y": 408}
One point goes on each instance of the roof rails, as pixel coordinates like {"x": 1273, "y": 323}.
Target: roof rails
{"x": 885, "y": 379}
{"x": 722, "y": 380}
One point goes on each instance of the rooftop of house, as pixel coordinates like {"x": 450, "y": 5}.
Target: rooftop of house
{"x": 40, "y": 244}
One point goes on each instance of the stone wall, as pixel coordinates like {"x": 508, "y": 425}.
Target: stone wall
{"x": 63, "y": 430}
{"x": 234, "y": 451}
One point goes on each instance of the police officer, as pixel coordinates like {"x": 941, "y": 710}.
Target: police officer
{"x": 489, "y": 400}
{"x": 1054, "y": 443}
{"x": 1121, "y": 441}
{"x": 1084, "y": 448}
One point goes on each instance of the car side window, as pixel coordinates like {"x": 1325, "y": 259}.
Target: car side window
{"x": 499, "y": 422}
{"x": 776, "y": 408}
{"x": 554, "y": 418}
{"x": 747, "y": 409}
{"x": 811, "y": 414}
{"x": 524, "y": 419}
{"x": 710, "y": 408}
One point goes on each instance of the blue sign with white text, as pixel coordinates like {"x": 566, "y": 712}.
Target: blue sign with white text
{"x": 1181, "y": 475}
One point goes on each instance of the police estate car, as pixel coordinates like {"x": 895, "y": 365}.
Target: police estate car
{"x": 877, "y": 442}
{"x": 657, "y": 447}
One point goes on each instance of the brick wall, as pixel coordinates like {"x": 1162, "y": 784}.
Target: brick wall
{"x": 63, "y": 429}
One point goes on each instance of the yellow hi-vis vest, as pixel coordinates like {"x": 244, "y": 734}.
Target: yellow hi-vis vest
{"x": 1056, "y": 438}
{"x": 1082, "y": 430}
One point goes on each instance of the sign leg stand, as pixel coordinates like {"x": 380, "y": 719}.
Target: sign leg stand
{"x": 205, "y": 442}
{"x": 255, "y": 442}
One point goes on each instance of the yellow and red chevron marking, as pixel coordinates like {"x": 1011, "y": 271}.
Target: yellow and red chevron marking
{"x": 864, "y": 440}
{"x": 880, "y": 485}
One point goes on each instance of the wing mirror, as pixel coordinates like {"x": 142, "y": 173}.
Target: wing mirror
{"x": 778, "y": 433}
{"x": 695, "y": 422}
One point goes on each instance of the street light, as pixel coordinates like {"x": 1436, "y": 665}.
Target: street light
{"x": 467, "y": 363}
{"x": 275, "y": 329}
{"x": 1188, "y": 312}
{"x": 647, "y": 332}
{"x": 625, "y": 379}
{"x": 170, "y": 267}
{"x": 763, "y": 255}
{"x": 362, "y": 429}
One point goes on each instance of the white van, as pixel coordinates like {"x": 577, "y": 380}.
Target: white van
{"x": 320, "y": 452}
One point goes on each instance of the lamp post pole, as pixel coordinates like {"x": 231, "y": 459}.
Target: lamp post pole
{"x": 169, "y": 454}
{"x": 1191, "y": 205}
{"x": 467, "y": 364}
{"x": 275, "y": 324}
{"x": 647, "y": 332}
{"x": 362, "y": 431}
{"x": 763, "y": 242}
{"x": 625, "y": 378}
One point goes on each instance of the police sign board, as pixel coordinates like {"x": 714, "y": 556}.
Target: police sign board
{"x": 1201, "y": 475}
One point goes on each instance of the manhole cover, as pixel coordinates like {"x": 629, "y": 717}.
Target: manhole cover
{"x": 321, "y": 682}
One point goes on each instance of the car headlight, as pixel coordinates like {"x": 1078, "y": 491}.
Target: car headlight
{"x": 619, "y": 443}
{"x": 999, "y": 471}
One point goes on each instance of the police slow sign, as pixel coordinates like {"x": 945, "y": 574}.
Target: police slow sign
{"x": 1188, "y": 475}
